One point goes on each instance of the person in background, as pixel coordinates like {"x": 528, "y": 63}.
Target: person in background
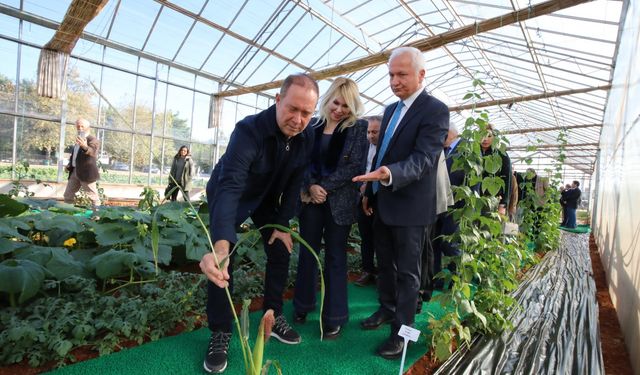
{"x": 563, "y": 203}
{"x": 328, "y": 203}
{"x": 259, "y": 176}
{"x": 402, "y": 192}
{"x": 514, "y": 197}
{"x": 445, "y": 224}
{"x": 365, "y": 223}
{"x": 182, "y": 171}
{"x": 572, "y": 199}
{"x": 82, "y": 167}
{"x": 504, "y": 194}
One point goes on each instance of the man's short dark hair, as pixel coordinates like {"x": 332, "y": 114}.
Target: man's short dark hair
{"x": 576, "y": 183}
{"x": 300, "y": 79}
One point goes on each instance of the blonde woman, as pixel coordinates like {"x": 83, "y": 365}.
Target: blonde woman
{"x": 329, "y": 196}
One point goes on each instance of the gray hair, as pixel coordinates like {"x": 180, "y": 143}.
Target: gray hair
{"x": 416, "y": 56}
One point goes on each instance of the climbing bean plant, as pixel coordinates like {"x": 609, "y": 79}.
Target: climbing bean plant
{"x": 478, "y": 300}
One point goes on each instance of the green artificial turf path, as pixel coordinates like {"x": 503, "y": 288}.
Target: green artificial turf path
{"x": 352, "y": 353}
{"x": 580, "y": 228}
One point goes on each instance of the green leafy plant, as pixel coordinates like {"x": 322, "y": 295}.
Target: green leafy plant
{"x": 478, "y": 300}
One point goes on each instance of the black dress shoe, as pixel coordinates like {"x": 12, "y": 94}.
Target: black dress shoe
{"x": 330, "y": 332}
{"x": 299, "y": 318}
{"x": 376, "y": 320}
{"x": 391, "y": 348}
{"x": 366, "y": 279}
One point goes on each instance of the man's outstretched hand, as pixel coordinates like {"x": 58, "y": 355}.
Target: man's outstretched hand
{"x": 381, "y": 174}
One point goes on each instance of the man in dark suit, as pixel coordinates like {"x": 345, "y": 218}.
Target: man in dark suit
{"x": 365, "y": 223}
{"x": 572, "y": 201}
{"x": 82, "y": 167}
{"x": 259, "y": 176}
{"x": 402, "y": 191}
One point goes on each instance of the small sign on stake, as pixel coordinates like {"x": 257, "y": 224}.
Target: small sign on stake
{"x": 407, "y": 333}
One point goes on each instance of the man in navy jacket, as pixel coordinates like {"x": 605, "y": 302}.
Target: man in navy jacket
{"x": 402, "y": 191}
{"x": 259, "y": 176}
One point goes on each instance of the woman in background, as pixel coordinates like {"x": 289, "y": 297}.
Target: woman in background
{"x": 182, "y": 169}
{"x": 504, "y": 194}
{"x": 329, "y": 203}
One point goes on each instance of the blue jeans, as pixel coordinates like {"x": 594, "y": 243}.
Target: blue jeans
{"x": 571, "y": 217}
{"x": 317, "y": 222}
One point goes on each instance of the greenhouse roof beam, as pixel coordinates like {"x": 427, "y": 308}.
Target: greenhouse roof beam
{"x": 553, "y": 128}
{"x": 526, "y": 98}
{"x": 425, "y": 44}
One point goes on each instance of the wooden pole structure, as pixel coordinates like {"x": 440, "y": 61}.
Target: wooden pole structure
{"x": 527, "y": 98}
{"x": 426, "y": 44}
{"x": 553, "y": 128}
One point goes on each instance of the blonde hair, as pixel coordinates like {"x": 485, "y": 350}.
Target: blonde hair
{"x": 347, "y": 89}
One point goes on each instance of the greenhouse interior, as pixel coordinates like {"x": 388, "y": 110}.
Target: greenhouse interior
{"x": 173, "y": 175}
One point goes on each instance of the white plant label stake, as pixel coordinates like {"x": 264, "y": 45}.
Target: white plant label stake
{"x": 407, "y": 333}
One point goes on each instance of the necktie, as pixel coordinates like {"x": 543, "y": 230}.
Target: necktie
{"x": 447, "y": 150}
{"x": 388, "y": 134}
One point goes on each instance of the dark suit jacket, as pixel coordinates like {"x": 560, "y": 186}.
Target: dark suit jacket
{"x": 572, "y": 197}
{"x": 412, "y": 156}
{"x": 350, "y": 148}
{"x": 260, "y": 175}
{"x": 86, "y": 167}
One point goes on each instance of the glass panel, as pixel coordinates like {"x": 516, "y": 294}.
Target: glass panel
{"x": 53, "y": 10}
{"x": 36, "y": 34}
{"x": 207, "y": 85}
{"x": 8, "y": 74}
{"x": 88, "y": 50}
{"x": 224, "y": 56}
{"x": 198, "y": 45}
{"x": 133, "y": 22}
{"x": 203, "y": 157}
{"x": 180, "y": 77}
{"x": 119, "y": 89}
{"x": 117, "y": 151}
{"x": 29, "y": 101}
{"x": 222, "y": 11}
{"x": 37, "y": 141}
{"x": 82, "y": 99}
{"x": 169, "y": 32}
{"x": 201, "y": 131}
{"x": 6, "y": 139}
{"x": 120, "y": 59}
{"x": 8, "y": 26}
{"x": 179, "y": 113}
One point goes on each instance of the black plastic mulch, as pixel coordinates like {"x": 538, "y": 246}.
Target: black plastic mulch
{"x": 555, "y": 332}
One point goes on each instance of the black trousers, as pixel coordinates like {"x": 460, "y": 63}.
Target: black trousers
{"x": 367, "y": 252}
{"x": 399, "y": 251}
{"x": 219, "y": 312}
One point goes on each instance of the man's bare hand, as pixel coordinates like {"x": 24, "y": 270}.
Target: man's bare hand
{"x": 82, "y": 142}
{"x": 282, "y": 236}
{"x": 381, "y": 174}
{"x": 318, "y": 194}
{"x": 209, "y": 266}
{"x": 365, "y": 206}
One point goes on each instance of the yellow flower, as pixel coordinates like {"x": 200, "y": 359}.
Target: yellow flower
{"x": 70, "y": 242}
